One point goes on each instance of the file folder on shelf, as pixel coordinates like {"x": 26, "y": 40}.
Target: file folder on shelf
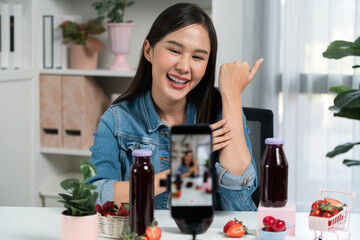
{"x": 50, "y": 111}
{"x": 83, "y": 103}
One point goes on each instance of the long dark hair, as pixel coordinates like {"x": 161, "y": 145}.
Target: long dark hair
{"x": 206, "y": 98}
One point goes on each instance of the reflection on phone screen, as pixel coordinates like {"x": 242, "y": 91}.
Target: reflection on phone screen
{"x": 191, "y": 183}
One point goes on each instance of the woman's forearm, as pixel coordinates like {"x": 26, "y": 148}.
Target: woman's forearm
{"x": 122, "y": 188}
{"x": 235, "y": 157}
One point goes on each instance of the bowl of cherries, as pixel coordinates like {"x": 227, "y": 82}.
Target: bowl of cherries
{"x": 273, "y": 229}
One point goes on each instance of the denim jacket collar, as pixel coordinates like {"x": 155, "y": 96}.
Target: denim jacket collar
{"x": 152, "y": 117}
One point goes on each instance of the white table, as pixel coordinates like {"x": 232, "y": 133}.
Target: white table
{"x": 32, "y": 223}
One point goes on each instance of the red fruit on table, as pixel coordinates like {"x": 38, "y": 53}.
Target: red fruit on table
{"x": 109, "y": 205}
{"x": 109, "y": 214}
{"x": 317, "y": 204}
{"x": 315, "y": 213}
{"x": 123, "y": 212}
{"x": 333, "y": 202}
{"x": 237, "y": 230}
{"x": 268, "y": 220}
{"x": 98, "y": 208}
{"x": 268, "y": 229}
{"x": 229, "y": 224}
{"x": 334, "y": 212}
{"x": 141, "y": 238}
{"x": 326, "y": 215}
{"x": 124, "y": 206}
{"x": 278, "y": 225}
{"x": 153, "y": 232}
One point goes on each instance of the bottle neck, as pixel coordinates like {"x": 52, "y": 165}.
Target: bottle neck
{"x": 142, "y": 159}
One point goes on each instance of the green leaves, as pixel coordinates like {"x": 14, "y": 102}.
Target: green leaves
{"x": 346, "y": 103}
{"x": 80, "y": 33}
{"x": 82, "y": 198}
{"x": 350, "y": 163}
{"x": 340, "y": 49}
{"x": 88, "y": 170}
{"x": 341, "y": 149}
{"x": 114, "y": 10}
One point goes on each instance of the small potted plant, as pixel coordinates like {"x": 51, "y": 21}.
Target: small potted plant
{"x": 80, "y": 220}
{"x": 119, "y": 31}
{"x": 84, "y": 51}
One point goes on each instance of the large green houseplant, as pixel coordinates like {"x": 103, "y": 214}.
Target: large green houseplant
{"x": 347, "y": 100}
{"x": 80, "y": 206}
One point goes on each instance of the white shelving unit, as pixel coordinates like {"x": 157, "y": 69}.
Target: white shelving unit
{"x": 63, "y": 151}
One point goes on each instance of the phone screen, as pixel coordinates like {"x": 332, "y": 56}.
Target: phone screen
{"x": 191, "y": 178}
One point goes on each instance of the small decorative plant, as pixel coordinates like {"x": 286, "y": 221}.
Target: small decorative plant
{"x": 347, "y": 101}
{"x": 81, "y": 34}
{"x": 82, "y": 198}
{"x": 113, "y": 10}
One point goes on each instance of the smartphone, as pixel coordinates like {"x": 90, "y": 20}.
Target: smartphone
{"x": 192, "y": 178}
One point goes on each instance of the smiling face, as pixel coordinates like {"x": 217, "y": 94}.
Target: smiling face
{"x": 178, "y": 62}
{"x": 188, "y": 158}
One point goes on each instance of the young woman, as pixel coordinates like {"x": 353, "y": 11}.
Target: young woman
{"x": 174, "y": 84}
{"x": 188, "y": 167}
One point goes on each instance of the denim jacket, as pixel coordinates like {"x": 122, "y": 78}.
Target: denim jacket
{"x": 133, "y": 124}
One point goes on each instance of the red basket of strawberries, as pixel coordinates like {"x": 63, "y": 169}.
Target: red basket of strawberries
{"x": 113, "y": 220}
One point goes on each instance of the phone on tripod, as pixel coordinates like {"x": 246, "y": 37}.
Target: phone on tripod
{"x": 192, "y": 178}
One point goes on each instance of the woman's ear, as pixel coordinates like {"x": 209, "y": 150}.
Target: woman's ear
{"x": 147, "y": 50}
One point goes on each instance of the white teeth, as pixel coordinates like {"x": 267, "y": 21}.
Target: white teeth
{"x": 177, "y": 81}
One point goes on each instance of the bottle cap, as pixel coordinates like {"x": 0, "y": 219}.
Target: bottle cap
{"x": 142, "y": 153}
{"x": 274, "y": 141}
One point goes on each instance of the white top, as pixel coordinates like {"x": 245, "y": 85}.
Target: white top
{"x": 33, "y": 223}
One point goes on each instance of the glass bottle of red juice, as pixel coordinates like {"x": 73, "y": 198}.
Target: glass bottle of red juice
{"x": 141, "y": 191}
{"x": 273, "y": 174}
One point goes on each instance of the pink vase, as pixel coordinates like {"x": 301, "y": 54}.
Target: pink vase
{"x": 81, "y": 57}
{"x": 79, "y": 228}
{"x": 119, "y": 41}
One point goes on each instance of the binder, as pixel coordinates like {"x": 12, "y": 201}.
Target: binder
{"x": 48, "y": 42}
{"x": 17, "y": 58}
{"x": 58, "y": 45}
{"x": 83, "y": 103}
{"x": 5, "y": 35}
{"x": 51, "y": 111}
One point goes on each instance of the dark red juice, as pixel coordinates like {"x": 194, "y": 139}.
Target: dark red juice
{"x": 141, "y": 191}
{"x": 273, "y": 174}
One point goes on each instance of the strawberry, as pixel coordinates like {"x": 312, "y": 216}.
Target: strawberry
{"x": 123, "y": 212}
{"x": 153, "y": 232}
{"x": 109, "y": 213}
{"x": 237, "y": 230}
{"x": 333, "y": 202}
{"x": 229, "y": 224}
{"x": 109, "y": 206}
{"x": 98, "y": 208}
{"x": 124, "y": 206}
{"x": 142, "y": 238}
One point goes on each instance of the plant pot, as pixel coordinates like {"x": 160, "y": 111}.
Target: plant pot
{"x": 79, "y": 227}
{"x": 119, "y": 43}
{"x": 81, "y": 57}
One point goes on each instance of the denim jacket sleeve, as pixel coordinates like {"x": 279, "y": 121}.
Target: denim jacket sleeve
{"x": 234, "y": 192}
{"x": 105, "y": 156}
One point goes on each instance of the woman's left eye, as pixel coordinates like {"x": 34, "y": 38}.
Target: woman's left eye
{"x": 198, "y": 58}
{"x": 174, "y": 51}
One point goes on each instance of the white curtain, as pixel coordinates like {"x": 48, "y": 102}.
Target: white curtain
{"x": 294, "y": 80}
